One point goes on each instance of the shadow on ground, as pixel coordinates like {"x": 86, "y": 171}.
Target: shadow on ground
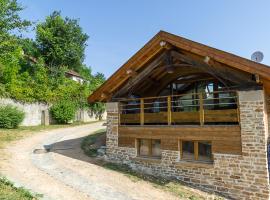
{"x": 72, "y": 148}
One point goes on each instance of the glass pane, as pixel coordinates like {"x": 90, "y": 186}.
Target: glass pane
{"x": 188, "y": 150}
{"x": 205, "y": 151}
{"x": 144, "y": 147}
{"x": 156, "y": 148}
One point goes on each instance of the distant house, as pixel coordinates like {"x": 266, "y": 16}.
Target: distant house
{"x": 74, "y": 76}
{"x": 184, "y": 110}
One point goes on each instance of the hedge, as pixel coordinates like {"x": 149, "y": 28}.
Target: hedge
{"x": 10, "y": 116}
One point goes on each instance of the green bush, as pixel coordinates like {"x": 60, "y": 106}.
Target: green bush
{"x": 10, "y": 116}
{"x": 63, "y": 111}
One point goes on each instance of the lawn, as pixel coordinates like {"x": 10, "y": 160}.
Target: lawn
{"x": 90, "y": 145}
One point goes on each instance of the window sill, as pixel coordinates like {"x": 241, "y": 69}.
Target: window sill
{"x": 182, "y": 163}
{"x": 147, "y": 159}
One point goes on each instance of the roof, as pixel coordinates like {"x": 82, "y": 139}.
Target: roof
{"x": 73, "y": 73}
{"x": 153, "y": 47}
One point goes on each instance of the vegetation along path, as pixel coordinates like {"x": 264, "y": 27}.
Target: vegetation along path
{"x": 66, "y": 173}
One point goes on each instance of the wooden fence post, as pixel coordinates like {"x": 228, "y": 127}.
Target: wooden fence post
{"x": 169, "y": 110}
{"x": 196, "y": 150}
{"x": 201, "y": 110}
{"x": 119, "y": 113}
{"x": 142, "y": 112}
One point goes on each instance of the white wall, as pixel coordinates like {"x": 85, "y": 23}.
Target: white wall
{"x": 88, "y": 116}
{"x": 33, "y": 111}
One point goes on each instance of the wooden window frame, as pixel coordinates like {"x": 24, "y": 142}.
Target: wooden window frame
{"x": 196, "y": 149}
{"x": 149, "y": 147}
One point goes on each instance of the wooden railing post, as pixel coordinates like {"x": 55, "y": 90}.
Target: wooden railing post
{"x": 237, "y": 109}
{"x": 196, "y": 150}
{"x": 142, "y": 112}
{"x": 169, "y": 111}
{"x": 201, "y": 110}
{"x": 119, "y": 113}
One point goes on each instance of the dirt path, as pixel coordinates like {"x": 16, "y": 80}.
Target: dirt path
{"x": 66, "y": 173}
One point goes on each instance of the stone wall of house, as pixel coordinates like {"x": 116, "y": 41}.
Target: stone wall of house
{"x": 35, "y": 113}
{"x": 267, "y": 98}
{"x": 233, "y": 176}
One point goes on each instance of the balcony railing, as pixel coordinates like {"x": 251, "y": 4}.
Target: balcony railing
{"x": 186, "y": 109}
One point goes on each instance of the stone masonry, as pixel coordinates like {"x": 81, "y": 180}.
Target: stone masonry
{"x": 233, "y": 176}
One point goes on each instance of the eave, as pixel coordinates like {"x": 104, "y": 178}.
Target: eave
{"x": 152, "y": 48}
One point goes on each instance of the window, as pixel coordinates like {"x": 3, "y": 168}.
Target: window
{"x": 204, "y": 151}
{"x": 188, "y": 150}
{"x": 149, "y": 148}
{"x": 196, "y": 151}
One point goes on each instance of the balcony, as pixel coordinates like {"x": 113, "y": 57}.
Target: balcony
{"x": 205, "y": 108}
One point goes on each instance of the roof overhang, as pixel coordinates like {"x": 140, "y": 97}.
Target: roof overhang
{"x": 160, "y": 41}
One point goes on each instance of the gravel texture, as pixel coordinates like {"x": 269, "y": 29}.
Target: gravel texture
{"x": 64, "y": 172}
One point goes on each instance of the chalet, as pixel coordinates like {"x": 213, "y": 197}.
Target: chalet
{"x": 183, "y": 110}
{"x": 74, "y": 76}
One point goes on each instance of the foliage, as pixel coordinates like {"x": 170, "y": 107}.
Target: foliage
{"x": 61, "y": 41}
{"x": 10, "y": 21}
{"x": 63, "y": 111}
{"x": 98, "y": 109}
{"x": 10, "y": 117}
{"x": 34, "y": 70}
{"x": 9, "y": 192}
{"x": 9, "y": 16}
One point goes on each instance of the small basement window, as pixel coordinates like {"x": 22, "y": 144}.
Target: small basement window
{"x": 148, "y": 148}
{"x": 196, "y": 151}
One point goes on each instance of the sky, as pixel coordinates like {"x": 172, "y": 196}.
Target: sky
{"x": 119, "y": 28}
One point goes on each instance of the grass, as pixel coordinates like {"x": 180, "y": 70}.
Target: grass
{"x": 176, "y": 188}
{"x": 88, "y": 143}
{"x": 9, "y": 192}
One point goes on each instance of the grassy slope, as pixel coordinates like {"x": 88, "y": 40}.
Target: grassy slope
{"x": 90, "y": 140}
{"x": 9, "y": 192}
{"x": 180, "y": 190}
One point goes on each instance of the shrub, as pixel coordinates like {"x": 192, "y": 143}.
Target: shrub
{"x": 63, "y": 111}
{"x": 10, "y": 116}
{"x": 98, "y": 109}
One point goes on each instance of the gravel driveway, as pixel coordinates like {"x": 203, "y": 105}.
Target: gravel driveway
{"x": 66, "y": 173}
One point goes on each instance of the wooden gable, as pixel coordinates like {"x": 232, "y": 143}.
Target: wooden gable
{"x": 147, "y": 67}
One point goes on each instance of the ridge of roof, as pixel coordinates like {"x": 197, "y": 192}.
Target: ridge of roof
{"x": 72, "y": 72}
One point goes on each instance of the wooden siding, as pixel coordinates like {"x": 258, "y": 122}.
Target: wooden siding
{"x": 225, "y": 139}
{"x": 229, "y": 115}
{"x": 185, "y": 117}
{"x": 210, "y": 116}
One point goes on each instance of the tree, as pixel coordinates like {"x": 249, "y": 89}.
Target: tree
{"x": 11, "y": 51}
{"x": 9, "y": 17}
{"x": 10, "y": 22}
{"x": 61, "y": 41}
